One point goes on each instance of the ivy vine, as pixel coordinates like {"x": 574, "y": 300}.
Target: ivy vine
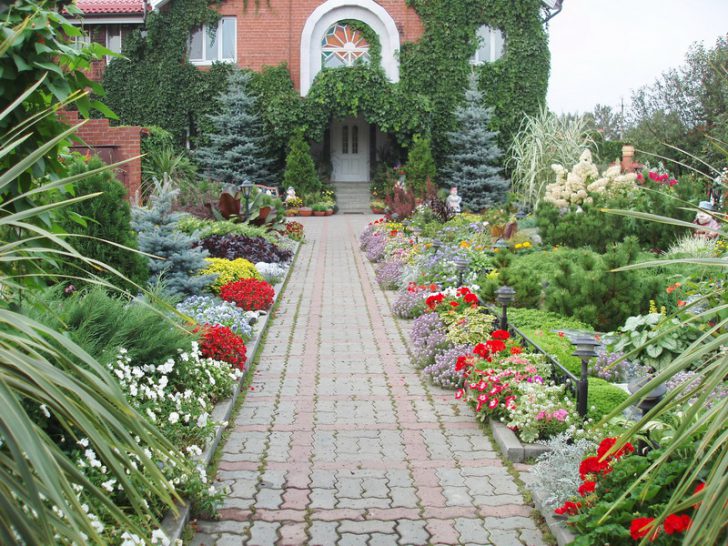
{"x": 156, "y": 86}
{"x": 438, "y": 65}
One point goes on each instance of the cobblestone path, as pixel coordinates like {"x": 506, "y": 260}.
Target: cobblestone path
{"x": 341, "y": 442}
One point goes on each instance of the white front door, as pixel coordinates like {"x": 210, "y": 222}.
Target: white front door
{"x": 350, "y": 150}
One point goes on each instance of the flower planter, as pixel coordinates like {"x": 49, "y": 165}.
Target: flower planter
{"x": 319, "y": 213}
{"x": 329, "y": 212}
{"x": 305, "y": 211}
{"x": 292, "y": 212}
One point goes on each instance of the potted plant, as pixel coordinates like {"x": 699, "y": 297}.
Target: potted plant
{"x": 305, "y": 211}
{"x": 292, "y": 205}
{"x": 319, "y": 209}
{"x": 377, "y": 206}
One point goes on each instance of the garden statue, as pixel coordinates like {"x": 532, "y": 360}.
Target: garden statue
{"x": 290, "y": 194}
{"x": 454, "y": 200}
{"x": 705, "y": 220}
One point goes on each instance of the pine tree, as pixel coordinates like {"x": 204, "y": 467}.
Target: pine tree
{"x": 236, "y": 148}
{"x": 474, "y": 164}
{"x": 157, "y": 235}
{"x": 300, "y": 169}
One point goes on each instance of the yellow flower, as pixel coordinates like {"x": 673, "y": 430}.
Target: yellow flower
{"x": 519, "y": 245}
{"x": 464, "y": 244}
{"x": 527, "y": 244}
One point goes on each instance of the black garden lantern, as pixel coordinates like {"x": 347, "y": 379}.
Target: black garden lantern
{"x": 586, "y": 349}
{"x": 505, "y": 295}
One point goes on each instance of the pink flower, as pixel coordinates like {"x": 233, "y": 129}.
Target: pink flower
{"x": 493, "y": 403}
{"x": 459, "y": 394}
{"x": 560, "y": 414}
{"x": 541, "y": 415}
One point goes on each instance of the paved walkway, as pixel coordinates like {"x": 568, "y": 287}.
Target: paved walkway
{"x": 341, "y": 442}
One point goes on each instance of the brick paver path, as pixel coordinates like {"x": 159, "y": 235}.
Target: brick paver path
{"x": 341, "y": 442}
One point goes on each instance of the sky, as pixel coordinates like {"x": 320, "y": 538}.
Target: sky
{"x": 603, "y": 49}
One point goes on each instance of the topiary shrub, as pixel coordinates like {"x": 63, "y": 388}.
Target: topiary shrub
{"x": 228, "y": 271}
{"x": 107, "y": 218}
{"x": 603, "y": 398}
{"x": 300, "y": 170}
{"x": 420, "y": 165}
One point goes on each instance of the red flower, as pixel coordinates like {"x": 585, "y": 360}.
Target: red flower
{"x": 393, "y": 233}
{"x": 221, "y": 343}
{"x": 680, "y": 303}
{"x": 592, "y": 465}
{"x": 699, "y": 488}
{"x": 516, "y": 350}
{"x": 433, "y": 288}
{"x": 482, "y": 350}
{"x": 471, "y": 298}
{"x": 569, "y": 508}
{"x": 496, "y": 345}
{"x": 454, "y": 304}
{"x": 561, "y": 334}
{"x": 608, "y": 443}
{"x": 675, "y": 523}
{"x": 500, "y": 334}
{"x": 249, "y": 294}
{"x": 587, "y": 488}
{"x": 459, "y": 394}
{"x": 640, "y": 527}
{"x": 461, "y": 363}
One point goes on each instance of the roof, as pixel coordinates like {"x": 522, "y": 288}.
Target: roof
{"x": 111, "y": 7}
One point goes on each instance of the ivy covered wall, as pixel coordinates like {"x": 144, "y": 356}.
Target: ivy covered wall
{"x": 159, "y": 88}
{"x": 438, "y": 65}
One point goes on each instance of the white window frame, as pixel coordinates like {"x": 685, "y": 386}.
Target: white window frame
{"x": 492, "y": 36}
{"x": 109, "y": 28}
{"x": 206, "y": 40}
{"x": 79, "y": 42}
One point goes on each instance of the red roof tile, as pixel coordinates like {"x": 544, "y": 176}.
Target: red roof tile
{"x": 110, "y": 7}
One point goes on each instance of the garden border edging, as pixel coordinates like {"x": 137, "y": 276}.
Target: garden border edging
{"x": 512, "y": 448}
{"x": 173, "y": 526}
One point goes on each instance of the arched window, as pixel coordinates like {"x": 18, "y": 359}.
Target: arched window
{"x": 343, "y": 45}
{"x": 491, "y": 44}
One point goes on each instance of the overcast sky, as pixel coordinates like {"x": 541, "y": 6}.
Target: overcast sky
{"x": 602, "y": 49}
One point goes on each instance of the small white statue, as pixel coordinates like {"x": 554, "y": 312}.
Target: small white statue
{"x": 290, "y": 194}
{"x": 454, "y": 200}
{"x": 709, "y": 225}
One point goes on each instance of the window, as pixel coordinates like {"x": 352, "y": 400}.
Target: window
{"x": 345, "y": 139}
{"x": 205, "y": 49}
{"x": 355, "y": 139}
{"x": 113, "y": 40}
{"x": 490, "y": 45}
{"x": 343, "y": 45}
{"x": 79, "y": 42}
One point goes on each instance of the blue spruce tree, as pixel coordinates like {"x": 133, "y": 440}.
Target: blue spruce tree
{"x": 236, "y": 148}
{"x": 474, "y": 163}
{"x": 157, "y": 235}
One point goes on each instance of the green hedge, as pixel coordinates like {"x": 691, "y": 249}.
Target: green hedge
{"x": 603, "y": 398}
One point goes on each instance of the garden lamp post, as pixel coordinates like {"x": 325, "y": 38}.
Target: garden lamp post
{"x": 586, "y": 349}
{"x": 652, "y": 398}
{"x": 461, "y": 266}
{"x": 505, "y": 296}
{"x": 406, "y": 225}
{"x": 246, "y": 187}
{"x": 417, "y": 232}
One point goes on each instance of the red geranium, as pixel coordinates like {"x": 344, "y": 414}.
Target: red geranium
{"x": 221, "y": 343}
{"x": 586, "y": 488}
{"x": 640, "y": 527}
{"x": 675, "y": 523}
{"x": 592, "y": 465}
{"x": 569, "y": 508}
{"x": 496, "y": 345}
{"x": 249, "y": 294}
{"x": 608, "y": 443}
{"x": 500, "y": 334}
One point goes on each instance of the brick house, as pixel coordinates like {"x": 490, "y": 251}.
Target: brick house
{"x": 306, "y": 35}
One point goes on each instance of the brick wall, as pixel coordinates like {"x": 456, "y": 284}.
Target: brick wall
{"x": 113, "y": 144}
{"x": 271, "y": 34}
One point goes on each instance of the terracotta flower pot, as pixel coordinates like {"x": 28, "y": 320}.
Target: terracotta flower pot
{"x": 329, "y": 212}
{"x": 319, "y": 213}
{"x": 304, "y": 211}
{"x": 292, "y": 212}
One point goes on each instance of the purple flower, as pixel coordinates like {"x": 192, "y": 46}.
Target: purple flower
{"x": 409, "y": 304}
{"x": 442, "y": 372}
{"x": 389, "y": 275}
{"x": 427, "y": 336}
{"x": 694, "y": 380}
{"x": 375, "y": 247}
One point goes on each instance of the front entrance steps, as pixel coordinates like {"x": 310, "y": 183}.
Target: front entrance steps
{"x": 352, "y": 197}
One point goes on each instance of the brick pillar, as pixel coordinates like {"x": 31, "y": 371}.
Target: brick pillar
{"x": 628, "y": 164}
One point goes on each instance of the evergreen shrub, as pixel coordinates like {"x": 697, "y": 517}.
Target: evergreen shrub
{"x": 420, "y": 166}
{"x": 108, "y": 217}
{"x": 102, "y": 324}
{"x": 175, "y": 263}
{"x": 603, "y": 397}
{"x": 300, "y": 170}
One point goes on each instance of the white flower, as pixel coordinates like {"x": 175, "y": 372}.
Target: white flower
{"x": 109, "y": 485}
{"x": 202, "y": 420}
{"x": 151, "y": 415}
{"x": 173, "y": 417}
{"x": 160, "y": 537}
{"x": 45, "y": 411}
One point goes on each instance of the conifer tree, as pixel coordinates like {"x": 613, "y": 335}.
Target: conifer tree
{"x": 236, "y": 148}
{"x": 474, "y": 163}
{"x": 300, "y": 170}
{"x": 420, "y": 165}
{"x": 157, "y": 235}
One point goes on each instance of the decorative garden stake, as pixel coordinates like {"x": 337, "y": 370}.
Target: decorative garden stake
{"x": 586, "y": 350}
{"x": 246, "y": 187}
{"x": 461, "y": 265}
{"x": 505, "y": 296}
